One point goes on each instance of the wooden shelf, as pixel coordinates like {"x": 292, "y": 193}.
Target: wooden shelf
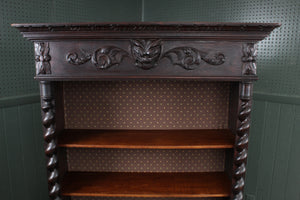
{"x": 118, "y": 184}
{"x": 147, "y": 139}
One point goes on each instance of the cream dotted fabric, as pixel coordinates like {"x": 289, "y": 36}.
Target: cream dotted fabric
{"x": 146, "y": 104}
{"x": 140, "y": 160}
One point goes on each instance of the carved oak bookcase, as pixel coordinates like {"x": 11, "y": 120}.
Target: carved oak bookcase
{"x": 137, "y": 110}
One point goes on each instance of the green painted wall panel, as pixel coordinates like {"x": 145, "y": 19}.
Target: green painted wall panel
{"x": 25, "y": 116}
{"x": 267, "y": 155}
{"x": 283, "y": 146}
{"x": 273, "y": 164}
{"x": 5, "y": 188}
{"x": 21, "y": 159}
{"x": 14, "y": 151}
{"x": 292, "y": 185}
{"x": 259, "y": 109}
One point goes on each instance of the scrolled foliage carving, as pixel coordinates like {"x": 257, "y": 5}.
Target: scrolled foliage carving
{"x": 102, "y": 58}
{"x": 190, "y": 58}
{"x": 106, "y": 57}
{"x": 146, "y": 55}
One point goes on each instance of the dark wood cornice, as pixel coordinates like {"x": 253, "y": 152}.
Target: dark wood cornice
{"x": 165, "y": 30}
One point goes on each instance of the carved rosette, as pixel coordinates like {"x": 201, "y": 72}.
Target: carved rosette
{"x": 48, "y": 120}
{"x": 190, "y": 58}
{"x": 249, "y": 58}
{"x": 241, "y": 144}
{"x": 42, "y": 58}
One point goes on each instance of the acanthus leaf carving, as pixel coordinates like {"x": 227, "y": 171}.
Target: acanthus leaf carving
{"x": 249, "y": 58}
{"x": 102, "y": 58}
{"x": 74, "y": 59}
{"x": 42, "y": 58}
{"x": 108, "y": 56}
{"x": 186, "y": 57}
{"x": 146, "y": 52}
{"x": 190, "y": 58}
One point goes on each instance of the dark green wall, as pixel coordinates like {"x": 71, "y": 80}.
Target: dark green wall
{"x": 22, "y": 164}
{"x": 17, "y": 64}
{"x": 273, "y": 164}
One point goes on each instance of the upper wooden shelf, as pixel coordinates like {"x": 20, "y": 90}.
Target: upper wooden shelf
{"x": 117, "y": 184}
{"x": 147, "y": 139}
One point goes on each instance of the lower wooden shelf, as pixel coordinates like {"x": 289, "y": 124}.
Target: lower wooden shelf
{"x": 127, "y": 184}
{"x": 147, "y": 139}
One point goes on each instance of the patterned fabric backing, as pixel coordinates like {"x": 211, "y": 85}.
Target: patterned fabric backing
{"x": 146, "y": 104}
{"x": 149, "y": 160}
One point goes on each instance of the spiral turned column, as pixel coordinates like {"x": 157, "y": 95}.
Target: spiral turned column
{"x": 241, "y": 142}
{"x": 48, "y": 120}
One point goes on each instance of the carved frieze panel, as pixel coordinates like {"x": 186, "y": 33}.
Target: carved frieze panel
{"x": 146, "y": 54}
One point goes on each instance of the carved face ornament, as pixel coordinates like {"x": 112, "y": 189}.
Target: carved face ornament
{"x": 146, "y": 52}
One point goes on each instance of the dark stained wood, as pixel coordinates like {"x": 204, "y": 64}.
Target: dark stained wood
{"x": 147, "y": 139}
{"x": 241, "y": 140}
{"x": 174, "y": 50}
{"x": 147, "y": 50}
{"x": 59, "y": 126}
{"x": 169, "y": 30}
{"x": 50, "y": 137}
{"x": 118, "y": 184}
{"x": 102, "y": 60}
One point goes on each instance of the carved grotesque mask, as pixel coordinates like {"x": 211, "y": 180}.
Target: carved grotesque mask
{"x": 146, "y": 52}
